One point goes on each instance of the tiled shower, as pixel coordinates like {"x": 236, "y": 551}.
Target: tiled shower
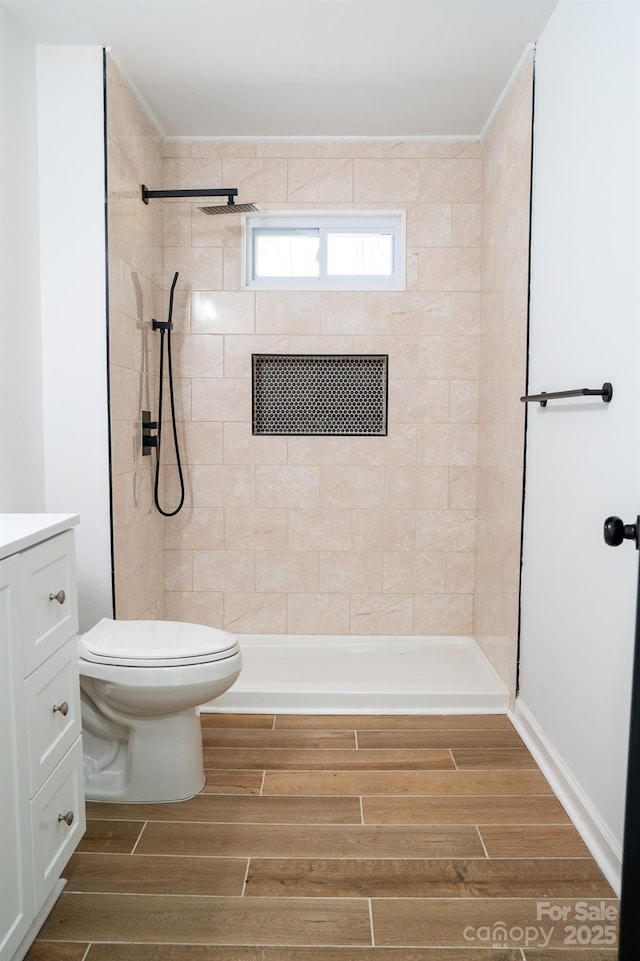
{"x": 414, "y": 533}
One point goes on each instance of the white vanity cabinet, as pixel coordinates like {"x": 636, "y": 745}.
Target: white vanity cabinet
{"x": 41, "y": 783}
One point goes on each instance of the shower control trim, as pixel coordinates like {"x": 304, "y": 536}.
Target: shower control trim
{"x": 149, "y": 440}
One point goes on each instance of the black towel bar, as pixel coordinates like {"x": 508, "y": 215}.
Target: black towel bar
{"x": 606, "y": 392}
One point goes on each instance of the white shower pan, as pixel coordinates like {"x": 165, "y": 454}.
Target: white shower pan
{"x": 312, "y": 674}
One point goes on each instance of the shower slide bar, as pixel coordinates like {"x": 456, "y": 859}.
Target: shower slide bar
{"x": 606, "y": 392}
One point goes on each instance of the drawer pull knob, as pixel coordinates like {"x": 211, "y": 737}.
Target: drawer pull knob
{"x": 67, "y": 818}
{"x": 63, "y": 708}
{"x": 60, "y": 597}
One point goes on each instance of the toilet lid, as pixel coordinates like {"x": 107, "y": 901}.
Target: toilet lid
{"x": 154, "y": 643}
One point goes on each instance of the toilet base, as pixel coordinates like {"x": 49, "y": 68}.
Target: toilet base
{"x": 158, "y": 760}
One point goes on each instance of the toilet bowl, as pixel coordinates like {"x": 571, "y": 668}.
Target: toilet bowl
{"x": 140, "y": 684}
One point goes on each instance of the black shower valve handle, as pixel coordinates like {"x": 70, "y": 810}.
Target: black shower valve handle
{"x": 149, "y": 440}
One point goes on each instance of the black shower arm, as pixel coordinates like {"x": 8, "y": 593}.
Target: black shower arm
{"x": 228, "y": 192}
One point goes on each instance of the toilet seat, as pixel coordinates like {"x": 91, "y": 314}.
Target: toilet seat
{"x": 155, "y": 644}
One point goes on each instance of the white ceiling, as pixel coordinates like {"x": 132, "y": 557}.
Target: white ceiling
{"x": 296, "y": 68}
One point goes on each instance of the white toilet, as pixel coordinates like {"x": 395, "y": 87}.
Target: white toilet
{"x": 140, "y": 683}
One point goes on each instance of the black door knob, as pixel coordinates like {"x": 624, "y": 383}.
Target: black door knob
{"x": 616, "y": 531}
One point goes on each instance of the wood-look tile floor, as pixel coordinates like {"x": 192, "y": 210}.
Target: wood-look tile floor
{"x": 340, "y": 839}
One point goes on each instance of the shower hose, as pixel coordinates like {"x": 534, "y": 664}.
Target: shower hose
{"x": 166, "y": 328}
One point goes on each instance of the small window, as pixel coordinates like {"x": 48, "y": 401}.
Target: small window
{"x": 321, "y": 251}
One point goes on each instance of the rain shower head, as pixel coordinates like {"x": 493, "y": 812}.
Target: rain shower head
{"x": 230, "y": 208}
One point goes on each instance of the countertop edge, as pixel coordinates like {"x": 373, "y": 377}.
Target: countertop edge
{"x": 20, "y": 531}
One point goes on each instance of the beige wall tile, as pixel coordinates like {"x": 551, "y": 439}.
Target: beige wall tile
{"x": 320, "y": 450}
{"x": 255, "y": 613}
{"x": 321, "y": 344}
{"x": 316, "y": 530}
{"x": 233, "y": 278}
{"x": 445, "y": 530}
{"x": 227, "y": 399}
{"x": 223, "y": 485}
{"x": 238, "y": 351}
{"x": 258, "y": 529}
{"x": 350, "y": 573}
{"x": 466, "y": 225}
{"x": 277, "y": 148}
{"x": 173, "y": 148}
{"x": 411, "y": 487}
{"x": 290, "y": 572}
{"x": 450, "y": 181}
{"x": 342, "y": 487}
{"x": 195, "y": 529}
{"x": 223, "y": 148}
{"x": 200, "y": 607}
{"x": 210, "y": 230}
{"x": 197, "y": 355}
{"x": 460, "y": 573}
{"x": 502, "y": 367}
{"x": 418, "y": 401}
{"x": 224, "y": 570}
{"x": 466, "y": 312}
{"x": 318, "y": 613}
{"x": 179, "y": 570}
{"x": 414, "y": 573}
{"x": 462, "y": 488}
{"x": 448, "y": 445}
{"x": 201, "y": 442}
{"x": 449, "y": 268}
{"x": 430, "y": 225}
{"x": 320, "y": 181}
{"x": 402, "y": 352}
{"x": 200, "y": 268}
{"x": 443, "y": 614}
{"x": 385, "y": 181}
{"x": 464, "y": 402}
{"x": 191, "y": 172}
{"x": 352, "y": 312}
{"x": 222, "y": 312}
{"x": 263, "y": 180}
{"x": 380, "y": 530}
{"x": 177, "y": 224}
{"x": 296, "y": 313}
{"x": 134, "y": 155}
{"x": 288, "y": 487}
{"x": 381, "y": 614}
{"x": 399, "y": 447}
{"x": 418, "y": 312}
{"x": 242, "y": 447}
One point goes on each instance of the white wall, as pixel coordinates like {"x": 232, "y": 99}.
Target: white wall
{"x": 579, "y": 596}
{"x": 74, "y": 325}
{"x": 21, "y": 437}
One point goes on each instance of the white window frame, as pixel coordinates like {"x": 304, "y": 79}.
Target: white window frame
{"x": 327, "y": 221}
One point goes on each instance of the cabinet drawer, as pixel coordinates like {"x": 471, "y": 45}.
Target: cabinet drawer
{"x": 54, "y": 840}
{"x": 53, "y": 712}
{"x": 49, "y": 598}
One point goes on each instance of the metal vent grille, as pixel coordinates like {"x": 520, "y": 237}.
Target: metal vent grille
{"x": 320, "y": 394}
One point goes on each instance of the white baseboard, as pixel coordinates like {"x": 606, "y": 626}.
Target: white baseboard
{"x": 605, "y": 850}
